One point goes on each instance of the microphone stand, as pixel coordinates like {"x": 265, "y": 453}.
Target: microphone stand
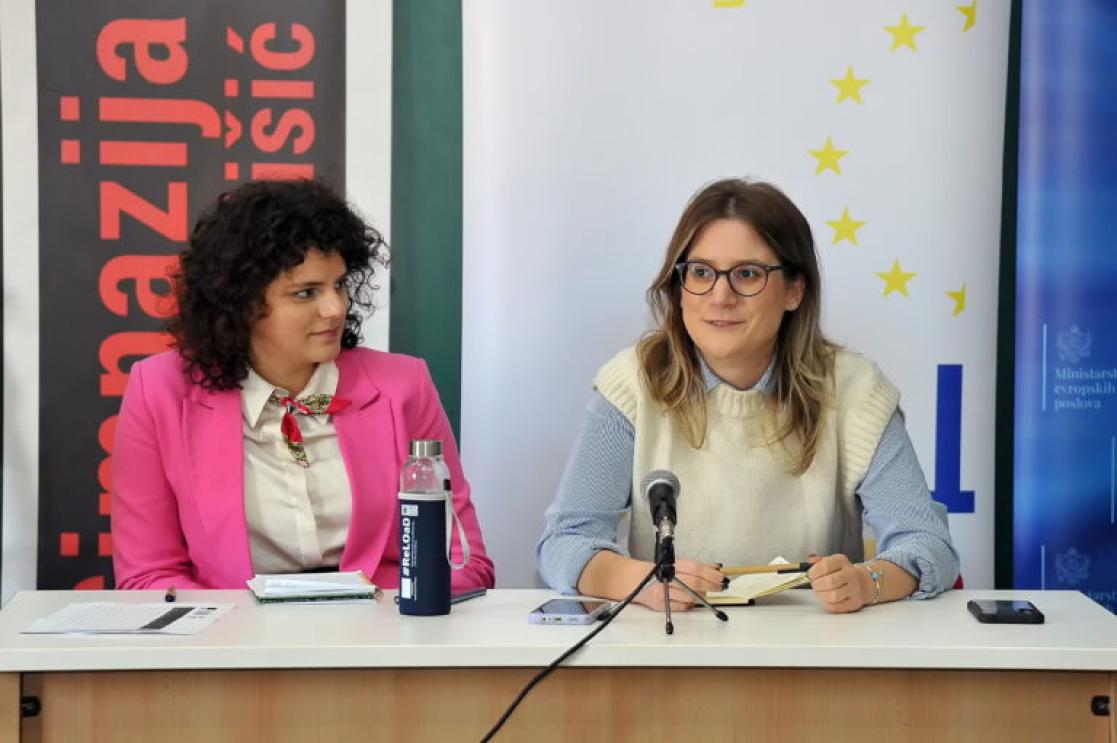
{"x": 664, "y": 572}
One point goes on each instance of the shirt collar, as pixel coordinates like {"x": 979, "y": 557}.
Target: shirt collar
{"x": 256, "y": 390}
{"x": 711, "y": 380}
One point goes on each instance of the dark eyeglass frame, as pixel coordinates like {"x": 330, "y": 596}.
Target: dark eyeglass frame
{"x": 681, "y": 268}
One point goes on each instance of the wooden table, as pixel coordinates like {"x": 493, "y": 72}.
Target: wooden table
{"x": 783, "y": 670}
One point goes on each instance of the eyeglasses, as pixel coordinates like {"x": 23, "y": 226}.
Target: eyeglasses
{"x": 745, "y": 279}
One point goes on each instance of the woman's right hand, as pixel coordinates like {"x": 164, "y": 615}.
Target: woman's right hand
{"x": 614, "y": 576}
{"x": 700, "y": 576}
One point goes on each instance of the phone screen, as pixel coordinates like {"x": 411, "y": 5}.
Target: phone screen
{"x": 1005, "y": 607}
{"x": 1005, "y": 612}
{"x": 569, "y": 607}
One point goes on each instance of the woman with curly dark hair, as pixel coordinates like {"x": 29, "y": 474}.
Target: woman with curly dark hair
{"x": 267, "y": 441}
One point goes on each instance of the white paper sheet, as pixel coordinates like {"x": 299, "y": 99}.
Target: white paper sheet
{"x": 96, "y": 618}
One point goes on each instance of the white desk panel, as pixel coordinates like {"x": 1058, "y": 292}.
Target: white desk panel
{"x": 788, "y": 630}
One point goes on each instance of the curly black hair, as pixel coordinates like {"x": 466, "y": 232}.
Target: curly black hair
{"x": 243, "y": 242}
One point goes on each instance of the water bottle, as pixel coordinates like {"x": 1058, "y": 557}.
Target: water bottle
{"x": 424, "y": 497}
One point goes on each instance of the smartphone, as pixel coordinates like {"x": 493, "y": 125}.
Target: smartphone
{"x": 569, "y": 611}
{"x": 1005, "y": 612}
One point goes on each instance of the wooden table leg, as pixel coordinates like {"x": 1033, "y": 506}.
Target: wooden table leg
{"x": 1113, "y": 706}
{"x": 9, "y": 706}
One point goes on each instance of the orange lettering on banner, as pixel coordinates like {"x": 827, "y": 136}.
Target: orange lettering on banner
{"x": 283, "y": 89}
{"x": 149, "y": 154}
{"x": 295, "y": 127}
{"x": 92, "y": 583}
{"x": 145, "y": 270}
{"x": 116, "y": 199}
{"x": 282, "y": 171}
{"x": 288, "y": 122}
{"x": 161, "y": 111}
{"x": 120, "y": 346}
{"x": 166, "y": 67}
{"x": 285, "y": 61}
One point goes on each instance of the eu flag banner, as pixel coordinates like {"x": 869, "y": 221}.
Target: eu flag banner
{"x": 587, "y": 126}
{"x": 1064, "y": 507}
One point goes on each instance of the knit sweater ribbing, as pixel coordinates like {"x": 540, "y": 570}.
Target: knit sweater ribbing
{"x": 738, "y": 502}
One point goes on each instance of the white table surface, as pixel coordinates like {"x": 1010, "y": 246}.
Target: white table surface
{"x": 786, "y": 630}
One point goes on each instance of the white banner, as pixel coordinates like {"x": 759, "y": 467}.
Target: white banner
{"x": 589, "y": 124}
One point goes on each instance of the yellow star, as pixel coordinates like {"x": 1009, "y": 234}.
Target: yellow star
{"x": 845, "y": 228}
{"x": 828, "y": 157}
{"x": 903, "y": 34}
{"x": 849, "y": 86}
{"x": 896, "y": 280}
{"x": 970, "y": 11}
{"x": 729, "y": 3}
{"x": 959, "y": 298}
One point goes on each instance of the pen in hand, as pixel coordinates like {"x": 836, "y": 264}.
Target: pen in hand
{"x": 801, "y": 567}
{"x": 170, "y": 595}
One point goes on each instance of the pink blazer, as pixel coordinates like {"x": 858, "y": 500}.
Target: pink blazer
{"x": 178, "y": 474}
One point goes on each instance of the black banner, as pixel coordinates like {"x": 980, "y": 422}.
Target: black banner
{"x": 147, "y": 111}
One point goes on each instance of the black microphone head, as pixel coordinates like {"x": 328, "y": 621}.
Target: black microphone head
{"x": 661, "y": 488}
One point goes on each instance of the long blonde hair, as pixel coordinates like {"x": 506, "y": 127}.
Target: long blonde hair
{"x": 804, "y": 357}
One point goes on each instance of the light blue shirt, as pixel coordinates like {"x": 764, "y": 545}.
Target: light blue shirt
{"x": 596, "y": 492}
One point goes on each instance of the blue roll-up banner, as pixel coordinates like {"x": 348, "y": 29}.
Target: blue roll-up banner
{"x": 1064, "y": 508}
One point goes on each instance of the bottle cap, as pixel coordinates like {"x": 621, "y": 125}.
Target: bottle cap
{"x": 426, "y": 448}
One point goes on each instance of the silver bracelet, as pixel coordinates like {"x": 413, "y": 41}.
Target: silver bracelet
{"x": 876, "y": 575}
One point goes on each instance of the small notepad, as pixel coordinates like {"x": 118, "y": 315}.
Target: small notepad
{"x": 342, "y": 586}
{"x": 745, "y": 588}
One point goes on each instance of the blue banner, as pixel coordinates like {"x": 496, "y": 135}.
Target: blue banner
{"x": 1064, "y": 508}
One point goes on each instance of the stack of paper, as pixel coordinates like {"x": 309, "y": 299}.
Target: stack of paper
{"x": 312, "y": 587}
{"x": 744, "y": 588}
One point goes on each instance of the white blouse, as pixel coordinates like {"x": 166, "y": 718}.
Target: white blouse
{"x": 298, "y": 517}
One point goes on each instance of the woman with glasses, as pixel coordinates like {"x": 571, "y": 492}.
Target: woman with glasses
{"x": 781, "y": 440}
{"x": 267, "y": 440}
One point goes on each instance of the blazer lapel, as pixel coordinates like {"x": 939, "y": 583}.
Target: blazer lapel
{"x": 215, "y": 444}
{"x": 366, "y": 433}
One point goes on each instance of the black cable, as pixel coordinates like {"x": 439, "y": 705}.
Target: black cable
{"x": 609, "y": 617}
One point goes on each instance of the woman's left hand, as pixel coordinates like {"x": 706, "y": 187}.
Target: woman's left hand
{"x": 838, "y": 583}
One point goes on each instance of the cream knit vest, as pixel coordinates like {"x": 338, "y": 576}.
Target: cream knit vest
{"x": 738, "y": 504}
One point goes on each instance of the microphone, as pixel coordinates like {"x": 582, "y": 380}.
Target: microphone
{"x": 661, "y": 488}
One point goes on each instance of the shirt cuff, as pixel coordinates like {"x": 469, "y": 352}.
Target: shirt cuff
{"x": 930, "y": 583}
